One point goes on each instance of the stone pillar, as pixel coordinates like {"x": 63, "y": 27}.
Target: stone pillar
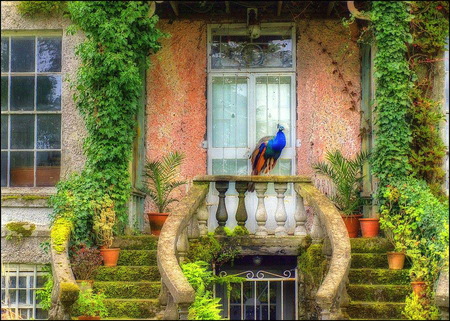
{"x": 300, "y": 217}
{"x": 280, "y": 213}
{"x": 202, "y": 217}
{"x": 261, "y": 213}
{"x": 221, "y": 214}
{"x": 316, "y": 230}
{"x": 182, "y": 245}
{"x": 241, "y": 212}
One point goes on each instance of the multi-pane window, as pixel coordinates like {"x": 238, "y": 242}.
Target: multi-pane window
{"x": 18, "y": 290}
{"x": 30, "y": 110}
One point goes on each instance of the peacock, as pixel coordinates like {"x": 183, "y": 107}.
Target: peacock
{"x": 266, "y": 153}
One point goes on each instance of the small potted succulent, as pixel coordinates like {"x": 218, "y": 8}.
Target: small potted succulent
{"x": 85, "y": 262}
{"x": 90, "y": 305}
{"x": 346, "y": 176}
{"x": 160, "y": 181}
{"x": 104, "y": 221}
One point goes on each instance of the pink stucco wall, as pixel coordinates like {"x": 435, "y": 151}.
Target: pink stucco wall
{"x": 176, "y": 94}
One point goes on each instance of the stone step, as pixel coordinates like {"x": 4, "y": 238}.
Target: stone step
{"x": 140, "y": 242}
{"x": 379, "y": 276}
{"x": 137, "y": 257}
{"x": 128, "y": 290}
{"x": 128, "y": 273}
{"x": 372, "y": 260}
{"x": 376, "y": 310}
{"x": 132, "y": 308}
{"x": 370, "y": 245}
{"x": 378, "y": 292}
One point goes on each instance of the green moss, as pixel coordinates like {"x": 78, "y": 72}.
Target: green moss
{"x": 379, "y": 292}
{"x": 128, "y": 290}
{"x": 68, "y": 292}
{"x": 60, "y": 233}
{"x": 19, "y": 230}
{"x": 128, "y": 273}
{"x": 137, "y": 257}
{"x": 375, "y": 310}
{"x": 25, "y": 197}
{"x": 371, "y": 260}
{"x": 312, "y": 264}
{"x": 132, "y": 308}
{"x": 370, "y": 245}
{"x": 140, "y": 242}
{"x": 378, "y": 276}
{"x": 33, "y": 8}
{"x": 240, "y": 231}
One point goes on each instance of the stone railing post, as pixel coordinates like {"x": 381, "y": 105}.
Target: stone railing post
{"x": 280, "y": 213}
{"x": 193, "y": 231}
{"x": 300, "y": 216}
{"x": 182, "y": 245}
{"x": 202, "y": 217}
{"x": 261, "y": 213}
{"x": 241, "y": 212}
{"x": 221, "y": 214}
{"x": 316, "y": 230}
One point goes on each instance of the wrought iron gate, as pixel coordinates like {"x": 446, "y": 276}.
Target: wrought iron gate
{"x": 262, "y": 296}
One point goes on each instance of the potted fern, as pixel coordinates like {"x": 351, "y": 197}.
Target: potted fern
{"x": 346, "y": 176}
{"x": 160, "y": 178}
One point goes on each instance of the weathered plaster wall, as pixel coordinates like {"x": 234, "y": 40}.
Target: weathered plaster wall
{"x": 325, "y": 121}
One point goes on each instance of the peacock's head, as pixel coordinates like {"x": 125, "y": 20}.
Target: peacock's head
{"x": 280, "y": 127}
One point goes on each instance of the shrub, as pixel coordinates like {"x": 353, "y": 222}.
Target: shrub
{"x": 90, "y": 303}
{"x": 85, "y": 262}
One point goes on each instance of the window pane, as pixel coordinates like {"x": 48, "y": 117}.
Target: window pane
{"x": 48, "y": 131}
{"x": 5, "y": 54}
{"x": 48, "y": 93}
{"x": 22, "y": 281}
{"x": 22, "y": 131}
{"x": 40, "y": 281}
{"x": 22, "y": 296}
{"x": 22, "y": 54}
{"x": 229, "y": 167}
{"x": 12, "y": 296}
{"x": 22, "y": 169}
{"x": 48, "y": 168}
{"x": 4, "y": 157}
{"x": 4, "y": 93}
{"x": 22, "y": 93}
{"x": 4, "y": 132}
{"x": 49, "y": 54}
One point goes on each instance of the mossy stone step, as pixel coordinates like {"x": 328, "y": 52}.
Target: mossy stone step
{"x": 378, "y": 292}
{"x": 128, "y": 290}
{"x": 370, "y": 245}
{"x": 128, "y": 273}
{"x": 137, "y": 257}
{"x": 139, "y": 242}
{"x": 378, "y": 276}
{"x": 377, "y": 310}
{"x": 132, "y": 308}
{"x": 371, "y": 260}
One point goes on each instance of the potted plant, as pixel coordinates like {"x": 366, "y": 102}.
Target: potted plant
{"x": 104, "y": 221}
{"x": 160, "y": 181}
{"x": 418, "y": 273}
{"x": 346, "y": 176}
{"x": 396, "y": 258}
{"x": 85, "y": 262}
{"x": 90, "y": 305}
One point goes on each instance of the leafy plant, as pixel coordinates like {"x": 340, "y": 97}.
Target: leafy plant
{"x": 33, "y": 8}
{"x": 90, "y": 303}
{"x": 346, "y": 177}
{"x": 421, "y": 308}
{"x": 104, "y": 221}
{"x": 161, "y": 179}
{"x": 44, "y": 295}
{"x": 85, "y": 262}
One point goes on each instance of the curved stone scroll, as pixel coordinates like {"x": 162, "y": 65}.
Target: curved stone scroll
{"x": 65, "y": 289}
{"x": 331, "y": 292}
{"x": 180, "y": 293}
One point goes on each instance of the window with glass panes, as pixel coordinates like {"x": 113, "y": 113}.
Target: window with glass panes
{"x": 18, "y": 290}
{"x": 30, "y": 110}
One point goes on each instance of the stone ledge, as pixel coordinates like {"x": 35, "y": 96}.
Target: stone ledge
{"x": 253, "y": 178}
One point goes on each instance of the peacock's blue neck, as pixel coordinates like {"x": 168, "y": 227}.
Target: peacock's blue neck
{"x": 279, "y": 141}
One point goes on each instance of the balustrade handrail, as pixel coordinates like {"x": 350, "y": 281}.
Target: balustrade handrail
{"x": 329, "y": 294}
{"x": 253, "y": 178}
{"x": 178, "y": 287}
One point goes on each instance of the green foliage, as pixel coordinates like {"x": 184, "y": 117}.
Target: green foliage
{"x": 346, "y": 177}
{"x": 119, "y": 37}
{"x": 60, "y": 233}
{"x": 421, "y": 308}
{"x": 90, "y": 303}
{"x": 19, "y": 230}
{"x": 161, "y": 179}
{"x": 104, "y": 221}
{"x": 44, "y": 8}
{"x": 44, "y": 295}
{"x": 393, "y": 80}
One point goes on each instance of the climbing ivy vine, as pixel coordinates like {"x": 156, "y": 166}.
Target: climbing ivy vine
{"x": 119, "y": 37}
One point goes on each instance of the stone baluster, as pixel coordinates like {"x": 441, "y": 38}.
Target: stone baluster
{"x": 193, "y": 231}
{"x": 183, "y": 311}
{"x": 182, "y": 245}
{"x": 221, "y": 214}
{"x": 202, "y": 217}
{"x": 300, "y": 217}
{"x": 280, "y": 213}
{"x": 316, "y": 230}
{"x": 241, "y": 212}
{"x": 261, "y": 213}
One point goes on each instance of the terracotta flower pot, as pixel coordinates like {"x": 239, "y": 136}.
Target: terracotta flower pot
{"x": 88, "y": 317}
{"x": 396, "y": 260}
{"x": 110, "y": 256}
{"x": 369, "y": 227}
{"x": 156, "y": 221}
{"x": 352, "y": 224}
{"x": 418, "y": 287}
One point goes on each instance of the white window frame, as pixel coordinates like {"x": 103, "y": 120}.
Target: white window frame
{"x": 23, "y": 270}
{"x": 34, "y": 112}
{"x": 252, "y": 74}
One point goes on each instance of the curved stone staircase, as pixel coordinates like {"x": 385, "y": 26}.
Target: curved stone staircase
{"x": 132, "y": 287}
{"x": 376, "y": 292}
